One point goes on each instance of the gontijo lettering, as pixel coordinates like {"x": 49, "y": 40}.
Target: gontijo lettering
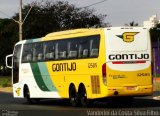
{"x": 128, "y": 56}
{"x": 64, "y": 67}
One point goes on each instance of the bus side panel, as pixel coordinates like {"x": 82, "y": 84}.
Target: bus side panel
{"x": 83, "y": 73}
{"x": 79, "y": 71}
{"x": 32, "y": 79}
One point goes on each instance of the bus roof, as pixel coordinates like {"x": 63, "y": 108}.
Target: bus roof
{"x": 74, "y": 33}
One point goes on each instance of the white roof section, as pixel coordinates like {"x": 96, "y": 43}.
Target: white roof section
{"x": 116, "y": 43}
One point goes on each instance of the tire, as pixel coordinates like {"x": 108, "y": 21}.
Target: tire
{"x": 85, "y": 102}
{"x": 73, "y": 96}
{"x": 30, "y": 100}
{"x": 27, "y": 95}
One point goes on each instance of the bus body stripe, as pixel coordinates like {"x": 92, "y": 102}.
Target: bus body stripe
{"x": 37, "y": 40}
{"x": 46, "y": 76}
{"x": 38, "y": 77}
{"x": 33, "y": 40}
{"x": 29, "y": 41}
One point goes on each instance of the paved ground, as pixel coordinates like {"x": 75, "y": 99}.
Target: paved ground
{"x": 144, "y": 106}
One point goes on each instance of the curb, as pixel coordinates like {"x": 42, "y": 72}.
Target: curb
{"x": 6, "y": 89}
{"x": 5, "y": 92}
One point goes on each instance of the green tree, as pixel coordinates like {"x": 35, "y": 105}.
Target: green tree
{"x": 6, "y": 42}
{"x": 57, "y": 16}
{"x": 132, "y": 24}
{"x": 155, "y": 33}
{"x": 43, "y": 19}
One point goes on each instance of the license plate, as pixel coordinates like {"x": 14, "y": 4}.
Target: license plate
{"x": 130, "y": 88}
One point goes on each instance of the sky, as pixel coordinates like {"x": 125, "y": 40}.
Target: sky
{"x": 119, "y": 12}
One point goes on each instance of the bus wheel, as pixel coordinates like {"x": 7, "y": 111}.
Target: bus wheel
{"x": 83, "y": 97}
{"x": 73, "y": 96}
{"x": 27, "y": 96}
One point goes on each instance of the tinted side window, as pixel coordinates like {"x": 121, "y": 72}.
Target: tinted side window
{"x": 73, "y": 48}
{"x": 27, "y": 53}
{"x": 49, "y": 50}
{"x": 94, "y": 46}
{"x": 83, "y": 48}
{"x": 62, "y": 49}
{"x": 38, "y": 52}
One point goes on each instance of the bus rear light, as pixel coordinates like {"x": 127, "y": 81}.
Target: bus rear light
{"x": 104, "y": 74}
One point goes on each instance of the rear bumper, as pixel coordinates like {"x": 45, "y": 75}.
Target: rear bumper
{"x": 134, "y": 91}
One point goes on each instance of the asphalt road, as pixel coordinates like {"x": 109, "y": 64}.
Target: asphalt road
{"x": 143, "y": 106}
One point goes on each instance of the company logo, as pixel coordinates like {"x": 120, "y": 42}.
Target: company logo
{"x": 128, "y": 56}
{"x": 18, "y": 90}
{"x": 128, "y": 36}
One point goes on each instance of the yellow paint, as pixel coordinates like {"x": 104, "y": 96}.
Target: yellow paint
{"x": 63, "y": 79}
{"x": 83, "y": 74}
{"x": 130, "y": 77}
{"x": 72, "y": 34}
{"x": 129, "y": 36}
{"x": 142, "y": 85}
{"x": 18, "y": 91}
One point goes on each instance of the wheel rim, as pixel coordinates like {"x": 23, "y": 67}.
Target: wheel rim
{"x": 73, "y": 97}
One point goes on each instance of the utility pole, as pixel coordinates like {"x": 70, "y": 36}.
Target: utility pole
{"x": 20, "y": 20}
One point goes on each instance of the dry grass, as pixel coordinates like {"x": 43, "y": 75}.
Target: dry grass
{"x": 6, "y": 89}
{"x": 5, "y": 84}
{"x": 156, "y": 86}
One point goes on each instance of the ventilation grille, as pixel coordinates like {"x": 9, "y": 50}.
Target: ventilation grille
{"x": 95, "y": 84}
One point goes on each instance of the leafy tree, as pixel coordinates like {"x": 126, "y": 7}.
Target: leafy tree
{"x": 43, "y": 19}
{"x": 57, "y": 16}
{"x": 155, "y": 33}
{"x": 132, "y": 24}
{"x": 6, "y": 42}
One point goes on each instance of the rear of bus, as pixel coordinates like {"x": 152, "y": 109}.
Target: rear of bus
{"x": 128, "y": 62}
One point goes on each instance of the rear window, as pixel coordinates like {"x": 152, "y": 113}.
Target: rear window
{"x": 127, "y": 40}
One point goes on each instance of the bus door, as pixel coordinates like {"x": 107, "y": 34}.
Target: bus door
{"x": 16, "y": 63}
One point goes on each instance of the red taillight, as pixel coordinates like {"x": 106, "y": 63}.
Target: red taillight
{"x": 104, "y": 74}
{"x": 104, "y": 70}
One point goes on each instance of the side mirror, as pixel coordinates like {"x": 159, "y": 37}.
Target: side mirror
{"x": 7, "y": 60}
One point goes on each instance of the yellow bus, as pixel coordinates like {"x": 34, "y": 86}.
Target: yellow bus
{"x": 83, "y": 65}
